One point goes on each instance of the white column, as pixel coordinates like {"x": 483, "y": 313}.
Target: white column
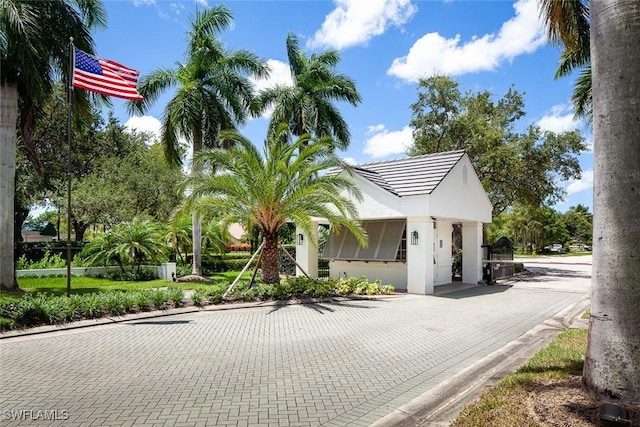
{"x": 420, "y": 268}
{"x": 471, "y": 252}
{"x": 307, "y": 252}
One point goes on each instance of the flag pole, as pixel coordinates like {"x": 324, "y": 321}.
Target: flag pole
{"x": 69, "y": 100}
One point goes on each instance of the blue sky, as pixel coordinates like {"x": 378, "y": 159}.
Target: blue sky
{"x": 385, "y": 46}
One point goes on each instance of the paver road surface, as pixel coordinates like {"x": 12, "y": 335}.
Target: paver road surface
{"x": 336, "y": 363}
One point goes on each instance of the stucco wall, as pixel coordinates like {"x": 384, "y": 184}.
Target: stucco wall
{"x": 460, "y": 195}
{"x": 390, "y": 273}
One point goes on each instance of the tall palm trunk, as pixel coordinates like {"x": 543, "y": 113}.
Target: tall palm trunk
{"x": 612, "y": 365}
{"x": 270, "y": 271}
{"x": 196, "y": 221}
{"x": 8, "y": 122}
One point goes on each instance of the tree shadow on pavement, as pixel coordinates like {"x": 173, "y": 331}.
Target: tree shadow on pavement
{"x": 474, "y": 292}
{"x": 160, "y": 322}
{"x": 320, "y": 307}
{"x": 546, "y": 274}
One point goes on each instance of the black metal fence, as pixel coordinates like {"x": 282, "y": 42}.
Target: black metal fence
{"x": 500, "y": 250}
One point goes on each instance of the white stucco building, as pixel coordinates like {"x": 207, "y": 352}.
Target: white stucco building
{"x": 408, "y": 211}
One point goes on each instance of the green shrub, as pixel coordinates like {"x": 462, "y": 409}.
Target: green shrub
{"x": 282, "y": 291}
{"x": 237, "y": 255}
{"x": 30, "y": 311}
{"x": 159, "y": 299}
{"x": 113, "y": 302}
{"x": 91, "y": 306}
{"x": 7, "y": 324}
{"x": 183, "y": 269}
{"x": 198, "y": 298}
{"x": 213, "y": 293}
{"x": 346, "y": 286}
{"x": 242, "y": 291}
{"x": 49, "y": 260}
{"x": 56, "y": 310}
{"x": 264, "y": 291}
{"x": 387, "y": 290}
{"x": 176, "y": 296}
{"x": 143, "y": 275}
{"x": 219, "y": 265}
{"x": 144, "y": 300}
{"x": 128, "y": 301}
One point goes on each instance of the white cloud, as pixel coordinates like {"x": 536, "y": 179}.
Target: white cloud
{"x": 382, "y": 142}
{"x": 350, "y": 160}
{"x": 177, "y": 8}
{"x": 144, "y": 124}
{"x": 143, "y": 2}
{"x": 280, "y": 75}
{"x": 559, "y": 119}
{"x": 582, "y": 184}
{"x": 355, "y": 22}
{"x": 435, "y": 54}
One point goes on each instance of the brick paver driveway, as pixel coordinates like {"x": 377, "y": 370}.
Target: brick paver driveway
{"x": 342, "y": 363}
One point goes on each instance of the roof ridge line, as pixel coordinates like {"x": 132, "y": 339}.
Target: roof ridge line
{"x": 360, "y": 165}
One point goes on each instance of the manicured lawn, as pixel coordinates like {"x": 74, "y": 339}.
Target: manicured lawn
{"x": 83, "y": 284}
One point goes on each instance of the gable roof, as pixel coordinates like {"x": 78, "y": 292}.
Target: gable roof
{"x": 410, "y": 176}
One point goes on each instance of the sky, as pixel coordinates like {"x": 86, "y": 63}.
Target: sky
{"x": 385, "y": 46}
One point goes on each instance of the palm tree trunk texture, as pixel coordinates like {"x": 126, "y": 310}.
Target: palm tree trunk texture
{"x": 196, "y": 237}
{"x": 612, "y": 365}
{"x": 196, "y": 221}
{"x": 270, "y": 270}
{"x": 8, "y": 120}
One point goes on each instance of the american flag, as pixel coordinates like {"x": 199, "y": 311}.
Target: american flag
{"x": 104, "y": 76}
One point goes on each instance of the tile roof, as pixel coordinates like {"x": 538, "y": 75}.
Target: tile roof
{"x": 410, "y": 176}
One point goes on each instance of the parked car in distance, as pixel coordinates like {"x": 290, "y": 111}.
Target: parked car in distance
{"x": 557, "y": 247}
{"x": 580, "y": 247}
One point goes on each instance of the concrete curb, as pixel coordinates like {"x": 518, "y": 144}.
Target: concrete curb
{"x": 440, "y": 405}
{"x": 45, "y": 329}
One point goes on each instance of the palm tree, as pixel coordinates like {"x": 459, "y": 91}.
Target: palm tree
{"x": 215, "y": 236}
{"x": 568, "y": 25}
{"x": 612, "y": 364}
{"x": 307, "y": 106}
{"x": 213, "y": 93}
{"x": 127, "y": 244}
{"x": 177, "y": 234}
{"x": 34, "y": 41}
{"x": 284, "y": 183}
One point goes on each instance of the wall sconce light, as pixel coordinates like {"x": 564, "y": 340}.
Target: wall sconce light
{"x": 414, "y": 237}
{"x": 300, "y": 238}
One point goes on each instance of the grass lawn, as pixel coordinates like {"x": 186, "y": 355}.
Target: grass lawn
{"x": 84, "y": 284}
{"x": 507, "y": 403}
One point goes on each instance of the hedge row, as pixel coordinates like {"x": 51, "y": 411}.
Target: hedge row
{"x": 295, "y": 287}
{"x": 41, "y": 309}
